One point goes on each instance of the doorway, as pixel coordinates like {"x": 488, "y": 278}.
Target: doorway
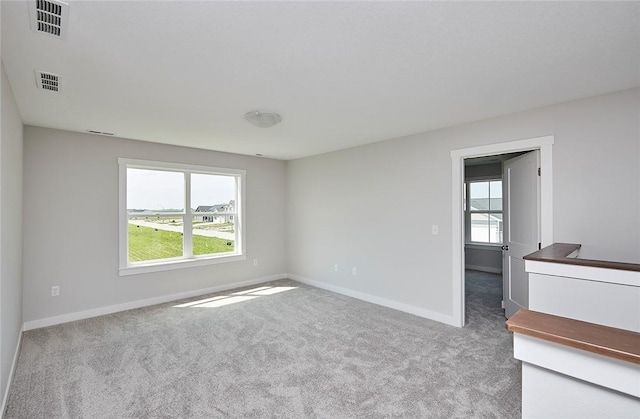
{"x": 502, "y": 225}
{"x": 484, "y": 229}
{"x": 544, "y": 144}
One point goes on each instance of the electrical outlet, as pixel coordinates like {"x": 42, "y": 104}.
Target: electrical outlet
{"x": 255, "y": 262}
{"x": 354, "y": 271}
{"x": 335, "y": 267}
{"x": 55, "y": 291}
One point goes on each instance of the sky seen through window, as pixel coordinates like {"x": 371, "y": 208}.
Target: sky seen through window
{"x": 159, "y": 190}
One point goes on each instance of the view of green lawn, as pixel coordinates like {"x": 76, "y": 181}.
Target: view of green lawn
{"x": 147, "y": 243}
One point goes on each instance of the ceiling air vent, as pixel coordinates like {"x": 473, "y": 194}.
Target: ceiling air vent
{"x": 90, "y": 131}
{"x": 49, "y": 17}
{"x": 48, "y": 81}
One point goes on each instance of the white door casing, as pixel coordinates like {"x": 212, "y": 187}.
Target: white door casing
{"x": 521, "y": 235}
{"x": 545, "y": 145}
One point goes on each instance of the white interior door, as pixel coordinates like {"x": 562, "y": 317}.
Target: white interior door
{"x": 521, "y": 234}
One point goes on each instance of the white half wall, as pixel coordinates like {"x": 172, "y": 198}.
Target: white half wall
{"x": 10, "y": 234}
{"x": 71, "y": 224}
{"x": 373, "y": 207}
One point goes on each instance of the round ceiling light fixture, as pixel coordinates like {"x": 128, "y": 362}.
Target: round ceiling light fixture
{"x": 263, "y": 119}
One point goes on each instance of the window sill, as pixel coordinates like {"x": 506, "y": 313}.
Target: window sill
{"x": 483, "y": 246}
{"x": 177, "y": 264}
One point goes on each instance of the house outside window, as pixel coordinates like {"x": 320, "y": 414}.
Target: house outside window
{"x": 483, "y": 202}
{"x": 221, "y": 213}
{"x": 175, "y": 215}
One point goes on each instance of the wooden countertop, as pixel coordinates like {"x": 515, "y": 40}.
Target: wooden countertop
{"x": 608, "y": 341}
{"x": 558, "y": 252}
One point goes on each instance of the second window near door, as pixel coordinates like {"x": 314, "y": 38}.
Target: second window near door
{"x": 483, "y": 211}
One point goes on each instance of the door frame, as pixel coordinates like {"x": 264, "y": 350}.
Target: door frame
{"x": 545, "y": 145}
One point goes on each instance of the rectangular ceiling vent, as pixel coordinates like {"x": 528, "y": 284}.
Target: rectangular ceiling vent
{"x": 48, "y": 81}
{"x": 49, "y": 17}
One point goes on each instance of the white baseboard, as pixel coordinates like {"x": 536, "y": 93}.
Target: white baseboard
{"x": 14, "y": 364}
{"x": 421, "y": 312}
{"x": 484, "y": 269}
{"x": 86, "y": 314}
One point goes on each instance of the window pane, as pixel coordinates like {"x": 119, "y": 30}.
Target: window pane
{"x": 495, "y": 193}
{"x": 210, "y": 192}
{"x": 479, "y": 194}
{"x": 152, "y": 237}
{"x": 213, "y": 234}
{"x": 495, "y": 228}
{"x": 479, "y": 190}
{"x": 154, "y": 190}
{"x": 480, "y": 228}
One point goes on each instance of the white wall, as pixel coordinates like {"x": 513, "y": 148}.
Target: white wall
{"x": 10, "y": 231}
{"x": 373, "y": 206}
{"x": 482, "y": 171}
{"x": 71, "y": 223}
{"x": 483, "y": 258}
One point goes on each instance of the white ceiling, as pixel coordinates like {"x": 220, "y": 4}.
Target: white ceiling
{"x": 341, "y": 74}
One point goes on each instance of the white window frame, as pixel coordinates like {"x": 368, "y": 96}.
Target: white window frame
{"x": 468, "y": 211}
{"x": 188, "y": 259}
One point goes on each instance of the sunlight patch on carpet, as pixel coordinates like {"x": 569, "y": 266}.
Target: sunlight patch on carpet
{"x": 236, "y": 297}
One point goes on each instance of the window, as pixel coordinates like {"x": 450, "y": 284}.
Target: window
{"x": 176, "y": 215}
{"x": 483, "y": 203}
